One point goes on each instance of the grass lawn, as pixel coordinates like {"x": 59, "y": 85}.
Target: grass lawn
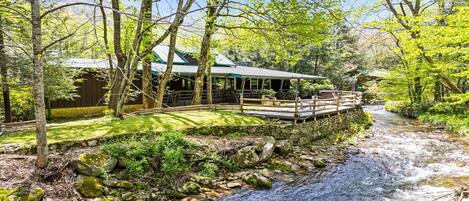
{"x": 102, "y": 127}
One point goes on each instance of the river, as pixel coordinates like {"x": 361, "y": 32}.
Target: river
{"x": 403, "y": 160}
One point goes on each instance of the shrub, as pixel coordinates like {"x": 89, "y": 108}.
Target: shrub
{"x": 22, "y": 104}
{"x": 267, "y": 92}
{"x": 209, "y": 169}
{"x": 407, "y": 109}
{"x": 168, "y": 150}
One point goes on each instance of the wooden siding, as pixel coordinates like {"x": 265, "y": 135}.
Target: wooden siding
{"x": 92, "y": 92}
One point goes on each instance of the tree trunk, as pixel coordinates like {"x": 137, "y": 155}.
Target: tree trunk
{"x": 38, "y": 86}
{"x": 169, "y": 68}
{"x": 209, "y": 85}
{"x": 204, "y": 56}
{"x": 147, "y": 81}
{"x": 119, "y": 70}
{"x": 4, "y": 72}
{"x": 107, "y": 48}
{"x": 131, "y": 59}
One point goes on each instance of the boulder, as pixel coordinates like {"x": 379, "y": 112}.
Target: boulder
{"x": 246, "y": 157}
{"x": 205, "y": 181}
{"x": 94, "y": 164}
{"x": 283, "y": 147}
{"x": 89, "y": 186}
{"x": 282, "y": 165}
{"x": 24, "y": 194}
{"x": 267, "y": 150}
{"x": 191, "y": 187}
{"x": 319, "y": 163}
{"x": 233, "y": 184}
{"x": 257, "y": 180}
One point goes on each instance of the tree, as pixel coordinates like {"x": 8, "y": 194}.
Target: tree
{"x": 147, "y": 84}
{"x": 431, "y": 47}
{"x": 127, "y": 62}
{"x": 205, "y": 57}
{"x": 4, "y": 75}
{"x": 411, "y": 25}
{"x": 38, "y": 86}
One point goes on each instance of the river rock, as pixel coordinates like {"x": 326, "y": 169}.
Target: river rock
{"x": 191, "y": 187}
{"x": 119, "y": 184}
{"x": 202, "y": 180}
{"x": 283, "y": 147}
{"x": 89, "y": 186}
{"x": 282, "y": 165}
{"x": 267, "y": 151}
{"x": 94, "y": 164}
{"x": 13, "y": 194}
{"x": 258, "y": 181}
{"x": 233, "y": 184}
{"x": 319, "y": 163}
{"x": 246, "y": 157}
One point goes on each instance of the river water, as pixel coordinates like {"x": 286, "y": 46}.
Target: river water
{"x": 403, "y": 160}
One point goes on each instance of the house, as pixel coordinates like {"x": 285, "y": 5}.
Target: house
{"x": 228, "y": 79}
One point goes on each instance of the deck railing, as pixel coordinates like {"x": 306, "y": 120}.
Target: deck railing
{"x": 302, "y": 108}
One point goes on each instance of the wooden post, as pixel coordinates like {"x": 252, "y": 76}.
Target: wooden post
{"x": 281, "y": 84}
{"x": 295, "y": 114}
{"x": 241, "y": 102}
{"x": 338, "y": 102}
{"x": 314, "y": 106}
{"x": 234, "y": 83}
{"x": 243, "y": 82}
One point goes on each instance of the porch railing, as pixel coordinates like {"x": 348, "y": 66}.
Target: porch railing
{"x": 302, "y": 108}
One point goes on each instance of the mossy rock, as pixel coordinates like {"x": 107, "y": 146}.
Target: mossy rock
{"x": 246, "y": 157}
{"x": 190, "y": 188}
{"x": 21, "y": 194}
{"x": 89, "y": 186}
{"x": 282, "y": 165}
{"x": 95, "y": 164}
{"x": 119, "y": 184}
{"x": 319, "y": 163}
{"x": 284, "y": 147}
{"x": 258, "y": 181}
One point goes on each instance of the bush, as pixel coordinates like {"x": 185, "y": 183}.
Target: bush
{"x": 407, "y": 109}
{"x": 22, "y": 104}
{"x": 167, "y": 152}
{"x": 267, "y": 92}
{"x": 209, "y": 169}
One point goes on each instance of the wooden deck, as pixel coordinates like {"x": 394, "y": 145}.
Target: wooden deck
{"x": 301, "y": 109}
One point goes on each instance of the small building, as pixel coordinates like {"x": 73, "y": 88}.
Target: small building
{"x": 227, "y": 78}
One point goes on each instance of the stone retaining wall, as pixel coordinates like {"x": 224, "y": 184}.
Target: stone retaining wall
{"x": 310, "y": 130}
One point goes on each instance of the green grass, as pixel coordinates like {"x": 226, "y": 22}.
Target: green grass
{"x": 102, "y": 127}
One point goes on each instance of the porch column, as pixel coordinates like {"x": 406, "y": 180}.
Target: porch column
{"x": 262, "y": 86}
{"x": 281, "y": 84}
{"x": 297, "y": 88}
{"x": 243, "y": 82}
{"x": 234, "y": 83}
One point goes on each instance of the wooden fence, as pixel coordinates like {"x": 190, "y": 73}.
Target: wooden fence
{"x": 301, "y": 108}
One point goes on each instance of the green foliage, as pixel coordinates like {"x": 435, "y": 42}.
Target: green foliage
{"x": 209, "y": 169}
{"x": 310, "y": 88}
{"x": 268, "y": 92}
{"x": 407, "y": 109}
{"x": 22, "y": 104}
{"x": 432, "y": 52}
{"x": 168, "y": 149}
